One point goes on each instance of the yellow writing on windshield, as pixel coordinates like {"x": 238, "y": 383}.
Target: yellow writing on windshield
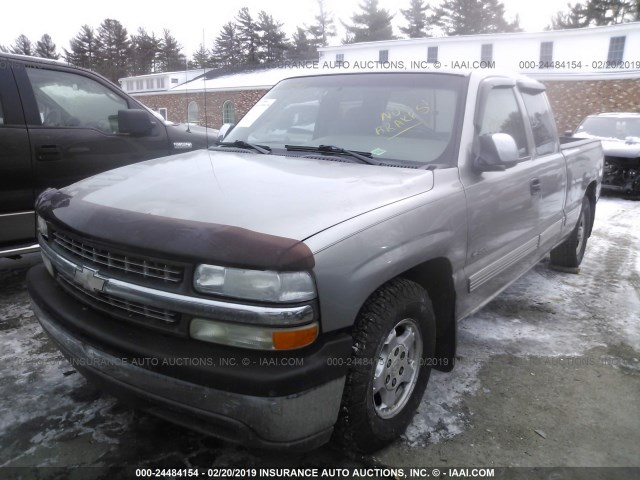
{"x": 401, "y": 119}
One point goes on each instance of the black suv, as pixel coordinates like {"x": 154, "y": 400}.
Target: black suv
{"x": 60, "y": 124}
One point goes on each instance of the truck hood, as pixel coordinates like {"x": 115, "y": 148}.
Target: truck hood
{"x": 289, "y": 197}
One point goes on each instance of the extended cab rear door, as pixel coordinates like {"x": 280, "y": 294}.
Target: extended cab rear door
{"x": 551, "y": 170}
{"x": 72, "y": 118}
{"x": 17, "y": 218}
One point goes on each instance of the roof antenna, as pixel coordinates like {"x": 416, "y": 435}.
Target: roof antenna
{"x": 186, "y": 89}
{"x": 204, "y": 83}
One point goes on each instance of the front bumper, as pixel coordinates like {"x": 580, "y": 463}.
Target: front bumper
{"x": 300, "y": 418}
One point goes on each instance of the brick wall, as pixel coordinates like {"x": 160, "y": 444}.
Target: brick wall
{"x": 571, "y": 101}
{"x": 176, "y": 104}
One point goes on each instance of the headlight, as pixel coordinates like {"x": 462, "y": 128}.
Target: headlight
{"x": 261, "y": 285}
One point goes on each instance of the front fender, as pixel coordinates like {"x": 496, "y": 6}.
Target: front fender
{"x": 371, "y": 249}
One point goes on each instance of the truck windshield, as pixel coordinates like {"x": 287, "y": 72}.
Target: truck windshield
{"x": 407, "y": 117}
{"x": 618, "y": 128}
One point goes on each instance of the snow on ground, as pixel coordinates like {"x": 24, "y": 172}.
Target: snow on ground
{"x": 544, "y": 314}
{"x": 42, "y": 393}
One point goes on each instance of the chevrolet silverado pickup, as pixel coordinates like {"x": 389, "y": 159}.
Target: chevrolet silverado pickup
{"x": 59, "y": 124}
{"x": 299, "y": 280}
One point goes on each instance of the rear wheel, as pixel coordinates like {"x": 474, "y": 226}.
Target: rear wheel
{"x": 393, "y": 337}
{"x": 570, "y": 252}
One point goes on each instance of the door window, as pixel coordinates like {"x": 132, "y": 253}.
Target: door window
{"x": 502, "y": 115}
{"x": 70, "y": 100}
{"x": 542, "y": 124}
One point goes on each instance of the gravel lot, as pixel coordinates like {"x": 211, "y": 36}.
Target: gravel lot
{"x": 548, "y": 375}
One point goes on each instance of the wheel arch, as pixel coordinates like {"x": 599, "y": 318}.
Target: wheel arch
{"x": 436, "y": 277}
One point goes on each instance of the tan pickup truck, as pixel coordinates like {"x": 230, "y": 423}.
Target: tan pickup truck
{"x": 300, "y": 280}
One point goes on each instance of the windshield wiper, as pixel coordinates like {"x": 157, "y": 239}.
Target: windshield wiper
{"x": 243, "y": 144}
{"x": 363, "y": 157}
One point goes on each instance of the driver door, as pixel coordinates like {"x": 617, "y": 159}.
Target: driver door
{"x": 72, "y": 119}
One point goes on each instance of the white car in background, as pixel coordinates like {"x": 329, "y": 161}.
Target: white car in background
{"x": 620, "y": 135}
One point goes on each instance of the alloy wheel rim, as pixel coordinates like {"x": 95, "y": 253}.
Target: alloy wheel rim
{"x": 396, "y": 372}
{"x": 580, "y": 233}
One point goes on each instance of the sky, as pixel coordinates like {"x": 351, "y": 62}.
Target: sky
{"x": 190, "y": 21}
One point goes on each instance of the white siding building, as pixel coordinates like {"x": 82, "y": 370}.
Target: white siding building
{"x": 157, "y": 82}
{"x": 610, "y": 49}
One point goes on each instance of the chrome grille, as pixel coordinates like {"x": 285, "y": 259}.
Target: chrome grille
{"x": 117, "y": 262}
{"x": 132, "y": 308}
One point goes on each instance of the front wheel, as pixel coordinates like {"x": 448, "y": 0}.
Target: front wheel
{"x": 394, "y": 337}
{"x": 570, "y": 252}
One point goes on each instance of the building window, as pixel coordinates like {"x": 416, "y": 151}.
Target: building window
{"x": 160, "y": 83}
{"x": 616, "y": 50}
{"x": 383, "y": 56}
{"x": 192, "y": 113}
{"x": 129, "y": 85}
{"x": 163, "y": 111}
{"x": 150, "y": 84}
{"x": 546, "y": 54}
{"x": 339, "y": 59}
{"x": 174, "y": 80}
{"x": 486, "y": 52}
{"x": 139, "y": 84}
{"x": 432, "y": 54}
{"x": 228, "y": 112}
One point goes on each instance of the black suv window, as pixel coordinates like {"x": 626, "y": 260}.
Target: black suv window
{"x": 69, "y": 100}
{"x": 502, "y": 115}
{"x": 542, "y": 124}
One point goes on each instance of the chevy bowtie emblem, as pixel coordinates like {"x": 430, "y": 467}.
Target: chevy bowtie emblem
{"x": 89, "y": 279}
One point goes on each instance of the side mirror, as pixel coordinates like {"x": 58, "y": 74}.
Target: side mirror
{"x": 134, "y": 122}
{"x": 568, "y": 133}
{"x": 224, "y": 131}
{"x": 498, "y": 152}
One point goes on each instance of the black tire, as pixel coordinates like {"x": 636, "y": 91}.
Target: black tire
{"x": 400, "y": 307}
{"x": 570, "y": 252}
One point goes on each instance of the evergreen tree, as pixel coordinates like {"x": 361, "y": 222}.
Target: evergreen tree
{"x": 247, "y": 34}
{"x": 113, "y": 51}
{"x": 4, "y": 49}
{"x": 22, "y": 46}
{"x": 469, "y": 17}
{"x": 371, "y": 24}
{"x": 323, "y": 29}
{"x": 302, "y": 48}
{"x": 574, "y": 17}
{"x": 170, "y": 56}
{"x": 83, "y": 49}
{"x": 144, "y": 52}
{"x": 595, "y": 12}
{"x": 200, "y": 59}
{"x": 45, "y": 48}
{"x": 226, "y": 50}
{"x": 609, "y": 12}
{"x": 416, "y": 16}
{"x": 272, "y": 41}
